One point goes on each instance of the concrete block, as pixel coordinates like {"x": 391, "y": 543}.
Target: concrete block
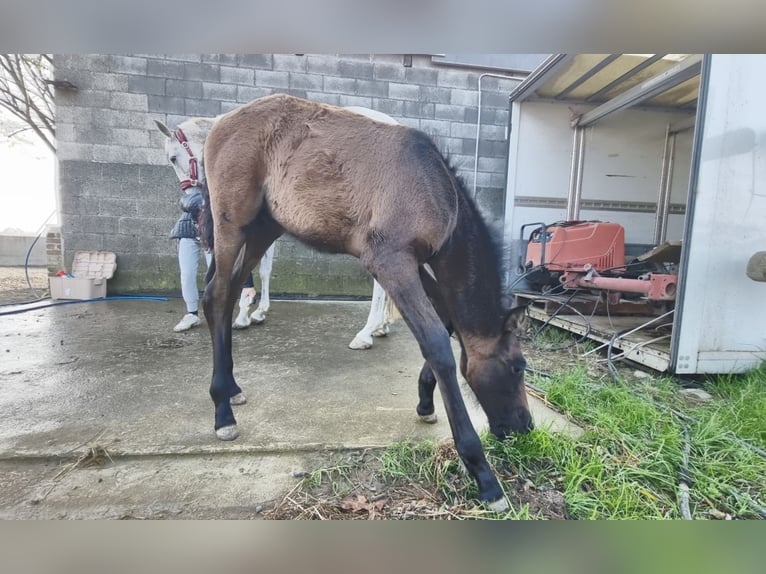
{"x": 128, "y": 137}
{"x": 398, "y": 91}
{"x": 390, "y": 107}
{"x": 300, "y": 81}
{"x": 461, "y": 130}
{"x": 64, "y": 132}
{"x": 233, "y": 75}
{"x": 110, "y": 82}
{"x": 355, "y": 69}
{"x": 492, "y": 132}
{"x": 341, "y": 85}
{"x": 449, "y": 112}
{"x": 144, "y": 85}
{"x": 471, "y": 115}
{"x": 290, "y": 63}
{"x": 271, "y": 79}
{"x": 296, "y": 93}
{"x": 362, "y": 101}
{"x": 248, "y": 94}
{"x": 118, "y": 207}
{"x": 203, "y": 108}
{"x": 166, "y": 104}
{"x": 93, "y": 99}
{"x": 422, "y": 76}
{"x": 215, "y": 91}
{"x": 435, "y": 95}
{"x": 372, "y": 88}
{"x": 226, "y": 107}
{"x": 466, "y": 98}
{"x": 123, "y": 244}
{"x": 462, "y": 79}
{"x": 435, "y": 127}
{"x": 322, "y": 64}
{"x": 184, "y": 57}
{"x": 258, "y": 61}
{"x": 418, "y": 109}
{"x": 324, "y": 97}
{"x": 123, "y": 101}
{"x": 227, "y": 59}
{"x": 165, "y": 69}
{"x": 128, "y": 65}
{"x": 202, "y": 72}
{"x": 491, "y": 164}
{"x": 392, "y": 72}
{"x": 494, "y": 100}
{"x": 184, "y": 88}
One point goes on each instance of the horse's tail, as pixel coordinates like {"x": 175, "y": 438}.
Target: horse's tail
{"x": 205, "y": 221}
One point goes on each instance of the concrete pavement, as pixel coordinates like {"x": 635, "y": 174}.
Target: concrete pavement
{"x": 114, "y": 374}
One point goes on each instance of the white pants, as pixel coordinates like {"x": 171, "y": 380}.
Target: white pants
{"x": 188, "y": 265}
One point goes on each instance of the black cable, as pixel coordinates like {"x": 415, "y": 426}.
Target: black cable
{"x": 93, "y": 300}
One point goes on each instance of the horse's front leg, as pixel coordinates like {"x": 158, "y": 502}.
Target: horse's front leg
{"x": 375, "y": 320}
{"x": 259, "y": 315}
{"x": 398, "y": 274}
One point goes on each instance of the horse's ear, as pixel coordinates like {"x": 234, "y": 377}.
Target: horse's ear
{"x": 164, "y": 129}
{"x": 516, "y": 319}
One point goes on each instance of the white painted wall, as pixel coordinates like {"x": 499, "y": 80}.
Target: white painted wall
{"x": 623, "y": 161}
{"x": 722, "y": 310}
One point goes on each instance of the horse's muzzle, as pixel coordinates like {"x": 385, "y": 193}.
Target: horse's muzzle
{"x": 522, "y": 424}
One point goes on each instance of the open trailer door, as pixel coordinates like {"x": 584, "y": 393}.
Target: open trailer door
{"x": 719, "y": 325}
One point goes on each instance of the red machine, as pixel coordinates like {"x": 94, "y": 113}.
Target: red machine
{"x": 569, "y": 246}
{"x": 589, "y": 255}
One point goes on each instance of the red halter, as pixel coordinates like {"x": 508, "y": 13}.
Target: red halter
{"x": 193, "y": 181}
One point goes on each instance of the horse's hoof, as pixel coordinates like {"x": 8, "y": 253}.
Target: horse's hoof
{"x": 258, "y": 316}
{"x": 360, "y": 344}
{"x": 430, "y": 419}
{"x": 227, "y": 433}
{"x": 241, "y": 322}
{"x": 499, "y": 505}
{"x": 238, "y": 399}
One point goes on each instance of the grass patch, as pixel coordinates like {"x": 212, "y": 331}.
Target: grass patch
{"x": 625, "y": 465}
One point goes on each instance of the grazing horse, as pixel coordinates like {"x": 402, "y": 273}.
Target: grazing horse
{"x": 184, "y": 148}
{"x": 343, "y": 183}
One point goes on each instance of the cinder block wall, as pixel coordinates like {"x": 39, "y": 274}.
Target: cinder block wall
{"x": 117, "y": 192}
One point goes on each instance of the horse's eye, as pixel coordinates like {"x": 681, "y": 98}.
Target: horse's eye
{"x": 172, "y": 159}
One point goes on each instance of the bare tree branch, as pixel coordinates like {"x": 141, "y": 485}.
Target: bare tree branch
{"x": 26, "y": 92}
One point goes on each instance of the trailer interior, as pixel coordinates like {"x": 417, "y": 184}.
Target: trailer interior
{"x": 600, "y": 157}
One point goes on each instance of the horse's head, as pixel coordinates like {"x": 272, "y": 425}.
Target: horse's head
{"x": 494, "y": 369}
{"x": 184, "y": 148}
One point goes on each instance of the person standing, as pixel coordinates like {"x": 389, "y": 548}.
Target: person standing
{"x": 186, "y": 231}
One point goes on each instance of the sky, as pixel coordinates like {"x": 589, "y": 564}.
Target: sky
{"x": 27, "y": 170}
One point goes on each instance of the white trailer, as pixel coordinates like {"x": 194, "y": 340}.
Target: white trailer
{"x": 673, "y": 147}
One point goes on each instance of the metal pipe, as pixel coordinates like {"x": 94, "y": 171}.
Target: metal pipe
{"x": 478, "y": 124}
{"x": 666, "y": 183}
{"x": 575, "y": 175}
{"x": 540, "y": 76}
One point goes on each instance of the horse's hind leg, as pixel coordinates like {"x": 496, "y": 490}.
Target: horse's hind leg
{"x": 259, "y": 315}
{"x": 375, "y": 320}
{"x": 426, "y": 378}
{"x": 220, "y": 297}
{"x": 398, "y": 275}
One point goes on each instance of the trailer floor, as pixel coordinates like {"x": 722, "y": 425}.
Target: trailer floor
{"x": 643, "y": 339}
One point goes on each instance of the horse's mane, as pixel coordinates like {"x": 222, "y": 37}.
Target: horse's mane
{"x": 484, "y": 238}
